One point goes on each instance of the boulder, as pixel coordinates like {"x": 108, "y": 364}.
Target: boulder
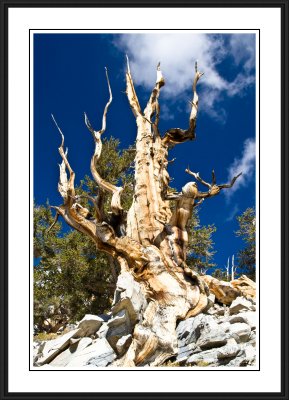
{"x": 190, "y": 330}
{"x": 185, "y": 352}
{"x": 240, "y": 304}
{"x": 89, "y": 325}
{"x": 249, "y": 353}
{"x": 197, "y": 334}
{"x": 225, "y": 326}
{"x": 231, "y": 349}
{"x": 216, "y": 310}
{"x": 185, "y": 332}
{"x": 204, "y": 359}
{"x": 75, "y": 348}
{"x": 101, "y": 333}
{"x": 123, "y": 344}
{"x": 98, "y": 354}
{"x": 215, "y": 338}
{"x": 246, "y": 356}
{"x": 118, "y": 326}
{"x": 50, "y": 349}
{"x": 248, "y": 318}
{"x": 240, "y": 331}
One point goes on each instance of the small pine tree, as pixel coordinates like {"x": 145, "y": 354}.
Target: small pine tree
{"x": 247, "y": 231}
{"x": 200, "y": 248}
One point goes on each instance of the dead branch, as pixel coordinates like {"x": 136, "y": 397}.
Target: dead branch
{"x": 177, "y": 135}
{"x": 98, "y": 215}
{"x": 131, "y": 93}
{"x": 229, "y": 185}
{"x": 214, "y": 189}
{"x": 53, "y": 223}
{"x": 153, "y": 106}
{"x": 107, "y": 186}
{"x": 197, "y": 176}
{"x": 65, "y": 187}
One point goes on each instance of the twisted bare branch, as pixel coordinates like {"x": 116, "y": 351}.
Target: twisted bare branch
{"x": 214, "y": 189}
{"x": 98, "y": 215}
{"x": 153, "y": 106}
{"x": 107, "y": 104}
{"x": 107, "y": 186}
{"x": 54, "y": 222}
{"x": 177, "y": 135}
{"x": 131, "y": 93}
{"x": 65, "y": 187}
{"x": 198, "y": 178}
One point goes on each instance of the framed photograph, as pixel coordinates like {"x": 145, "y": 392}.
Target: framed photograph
{"x": 152, "y": 251}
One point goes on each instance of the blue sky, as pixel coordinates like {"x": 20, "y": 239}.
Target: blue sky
{"x": 69, "y": 78}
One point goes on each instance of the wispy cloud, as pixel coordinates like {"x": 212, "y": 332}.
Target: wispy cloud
{"x": 233, "y": 212}
{"x": 178, "y": 53}
{"x": 242, "y": 48}
{"x": 244, "y": 164}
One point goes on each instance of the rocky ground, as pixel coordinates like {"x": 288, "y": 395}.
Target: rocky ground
{"x": 221, "y": 336}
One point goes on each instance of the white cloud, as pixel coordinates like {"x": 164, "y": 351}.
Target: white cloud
{"x": 234, "y": 211}
{"x": 242, "y": 48}
{"x": 244, "y": 164}
{"x": 178, "y": 53}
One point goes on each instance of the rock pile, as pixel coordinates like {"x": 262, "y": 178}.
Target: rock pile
{"x": 223, "y": 335}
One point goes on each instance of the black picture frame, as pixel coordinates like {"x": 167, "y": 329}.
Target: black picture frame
{"x": 283, "y": 5}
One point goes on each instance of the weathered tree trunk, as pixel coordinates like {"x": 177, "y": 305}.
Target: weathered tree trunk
{"x": 152, "y": 246}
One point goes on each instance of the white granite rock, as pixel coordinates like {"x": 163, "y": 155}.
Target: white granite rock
{"x": 248, "y": 317}
{"x": 231, "y": 349}
{"x": 240, "y": 332}
{"x": 100, "y": 351}
{"x": 123, "y": 344}
{"x": 89, "y": 325}
{"x": 240, "y": 304}
{"x": 66, "y": 356}
{"x": 52, "y": 348}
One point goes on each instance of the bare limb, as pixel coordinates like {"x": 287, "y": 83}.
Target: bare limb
{"x": 153, "y": 104}
{"x": 195, "y": 103}
{"x": 197, "y": 176}
{"x": 107, "y": 186}
{"x": 229, "y": 185}
{"x": 94, "y": 201}
{"x": 177, "y": 135}
{"x": 187, "y": 199}
{"x": 213, "y": 178}
{"x": 172, "y": 160}
{"x": 213, "y": 187}
{"x": 107, "y": 105}
{"x": 53, "y": 223}
{"x": 130, "y": 92}
{"x": 198, "y": 203}
{"x": 88, "y": 124}
{"x": 65, "y": 187}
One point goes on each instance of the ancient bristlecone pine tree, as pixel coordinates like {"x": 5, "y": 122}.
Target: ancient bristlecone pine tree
{"x": 150, "y": 240}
